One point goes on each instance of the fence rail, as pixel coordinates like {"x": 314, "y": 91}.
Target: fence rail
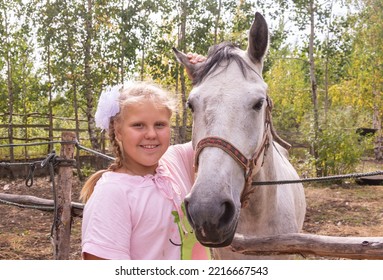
{"x": 33, "y": 202}
{"x": 61, "y": 193}
{"x": 310, "y": 244}
{"x": 297, "y": 243}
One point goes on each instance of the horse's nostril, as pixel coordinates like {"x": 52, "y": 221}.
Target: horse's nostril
{"x": 228, "y": 213}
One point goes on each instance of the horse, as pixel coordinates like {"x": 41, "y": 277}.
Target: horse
{"x": 235, "y": 145}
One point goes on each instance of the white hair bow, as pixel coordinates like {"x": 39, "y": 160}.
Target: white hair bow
{"x": 108, "y": 106}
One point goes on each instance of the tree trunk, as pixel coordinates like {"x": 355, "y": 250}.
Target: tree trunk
{"x": 182, "y": 45}
{"x": 314, "y": 87}
{"x": 75, "y": 105}
{"x": 50, "y": 113}
{"x": 216, "y": 27}
{"x": 143, "y": 60}
{"x": 377, "y": 124}
{"x": 73, "y": 80}
{"x": 88, "y": 79}
{"x": 10, "y": 91}
{"x": 176, "y": 130}
{"x": 123, "y": 41}
{"x": 326, "y": 85}
{"x": 24, "y": 98}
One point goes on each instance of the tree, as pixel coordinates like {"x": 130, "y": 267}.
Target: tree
{"x": 88, "y": 82}
{"x": 15, "y": 50}
{"x": 290, "y": 92}
{"x": 83, "y": 46}
{"x": 313, "y": 15}
{"x": 362, "y": 87}
{"x": 10, "y": 86}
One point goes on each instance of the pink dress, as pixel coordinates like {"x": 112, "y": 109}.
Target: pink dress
{"x": 129, "y": 217}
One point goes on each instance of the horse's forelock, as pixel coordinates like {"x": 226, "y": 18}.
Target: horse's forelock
{"x": 225, "y": 51}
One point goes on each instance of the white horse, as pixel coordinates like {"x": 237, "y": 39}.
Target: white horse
{"x": 236, "y": 145}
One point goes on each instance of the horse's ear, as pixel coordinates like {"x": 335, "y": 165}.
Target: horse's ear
{"x": 184, "y": 60}
{"x": 258, "y": 39}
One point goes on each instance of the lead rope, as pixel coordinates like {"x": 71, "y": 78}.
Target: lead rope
{"x": 51, "y": 161}
{"x": 320, "y": 179}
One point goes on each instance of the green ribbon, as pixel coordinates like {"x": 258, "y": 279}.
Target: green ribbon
{"x": 188, "y": 238}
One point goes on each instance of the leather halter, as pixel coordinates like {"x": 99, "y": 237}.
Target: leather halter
{"x": 247, "y": 164}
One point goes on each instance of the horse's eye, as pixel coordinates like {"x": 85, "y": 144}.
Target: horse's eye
{"x": 190, "y": 106}
{"x": 258, "y": 106}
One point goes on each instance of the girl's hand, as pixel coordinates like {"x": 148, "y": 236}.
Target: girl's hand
{"x": 195, "y": 58}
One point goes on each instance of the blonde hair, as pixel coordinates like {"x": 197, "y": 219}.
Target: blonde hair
{"x": 136, "y": 93}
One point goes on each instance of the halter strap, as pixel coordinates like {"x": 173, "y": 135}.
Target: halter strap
{"x": 224, "y": 145}
{"x": 247, "y": 164}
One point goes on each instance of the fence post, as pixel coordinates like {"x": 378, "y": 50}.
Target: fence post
{"x": 63, "y": 218}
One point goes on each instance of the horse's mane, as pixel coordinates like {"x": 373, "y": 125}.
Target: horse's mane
{"x": 223, "y": 52}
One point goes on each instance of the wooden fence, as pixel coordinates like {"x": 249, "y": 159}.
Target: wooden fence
{"x": 27, "y": 128}
{"x": 304, "y": 244}
{"x": 61, "y": 203}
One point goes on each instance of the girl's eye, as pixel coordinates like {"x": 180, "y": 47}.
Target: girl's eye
{"x": 138, "y": 125}
{"x": 161, "y": 125}
{"x": 258, "y": 106}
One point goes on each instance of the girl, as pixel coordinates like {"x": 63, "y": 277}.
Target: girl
{"x": 132, "y": 207}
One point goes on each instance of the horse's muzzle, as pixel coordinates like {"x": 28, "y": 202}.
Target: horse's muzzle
{"x": 213, "y": 227}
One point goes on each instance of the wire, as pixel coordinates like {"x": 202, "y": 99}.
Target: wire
{"x": 37, "y": 143}
{"x": 93, "y": 151}
{"x": 319, "y": 179}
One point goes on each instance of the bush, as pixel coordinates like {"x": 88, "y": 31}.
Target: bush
{"x": 339, "y": 147}
{"x": 87, "y": 170}
{"x": 304, "y": 164}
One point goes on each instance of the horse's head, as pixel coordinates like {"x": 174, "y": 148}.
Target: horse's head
{"x": 230, "y": 130}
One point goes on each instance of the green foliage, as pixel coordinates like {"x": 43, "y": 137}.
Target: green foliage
{"x": 340, "y": 148}
{"x": 45, "y": 49}
{"x": 289, "y": 90}
{"x": 87, "y": 170}
{"x": 304, "y": 164}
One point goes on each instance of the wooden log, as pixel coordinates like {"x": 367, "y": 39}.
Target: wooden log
{"x": 29, "y": 201}
{"x": 310, "y": 244}
{"x": 63, "y": 218}
{"x": 297, "y": 243}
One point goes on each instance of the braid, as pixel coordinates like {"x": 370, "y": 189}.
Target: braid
{"x": 115, "y": 147}
{"x": 89, "y": 185}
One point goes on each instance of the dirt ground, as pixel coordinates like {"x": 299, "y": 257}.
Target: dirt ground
{"x": 338, "y": 210}
{"x": 25, "y": 233}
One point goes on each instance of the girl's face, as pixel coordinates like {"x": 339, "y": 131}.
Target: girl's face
{"x": 144, "y": 130}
